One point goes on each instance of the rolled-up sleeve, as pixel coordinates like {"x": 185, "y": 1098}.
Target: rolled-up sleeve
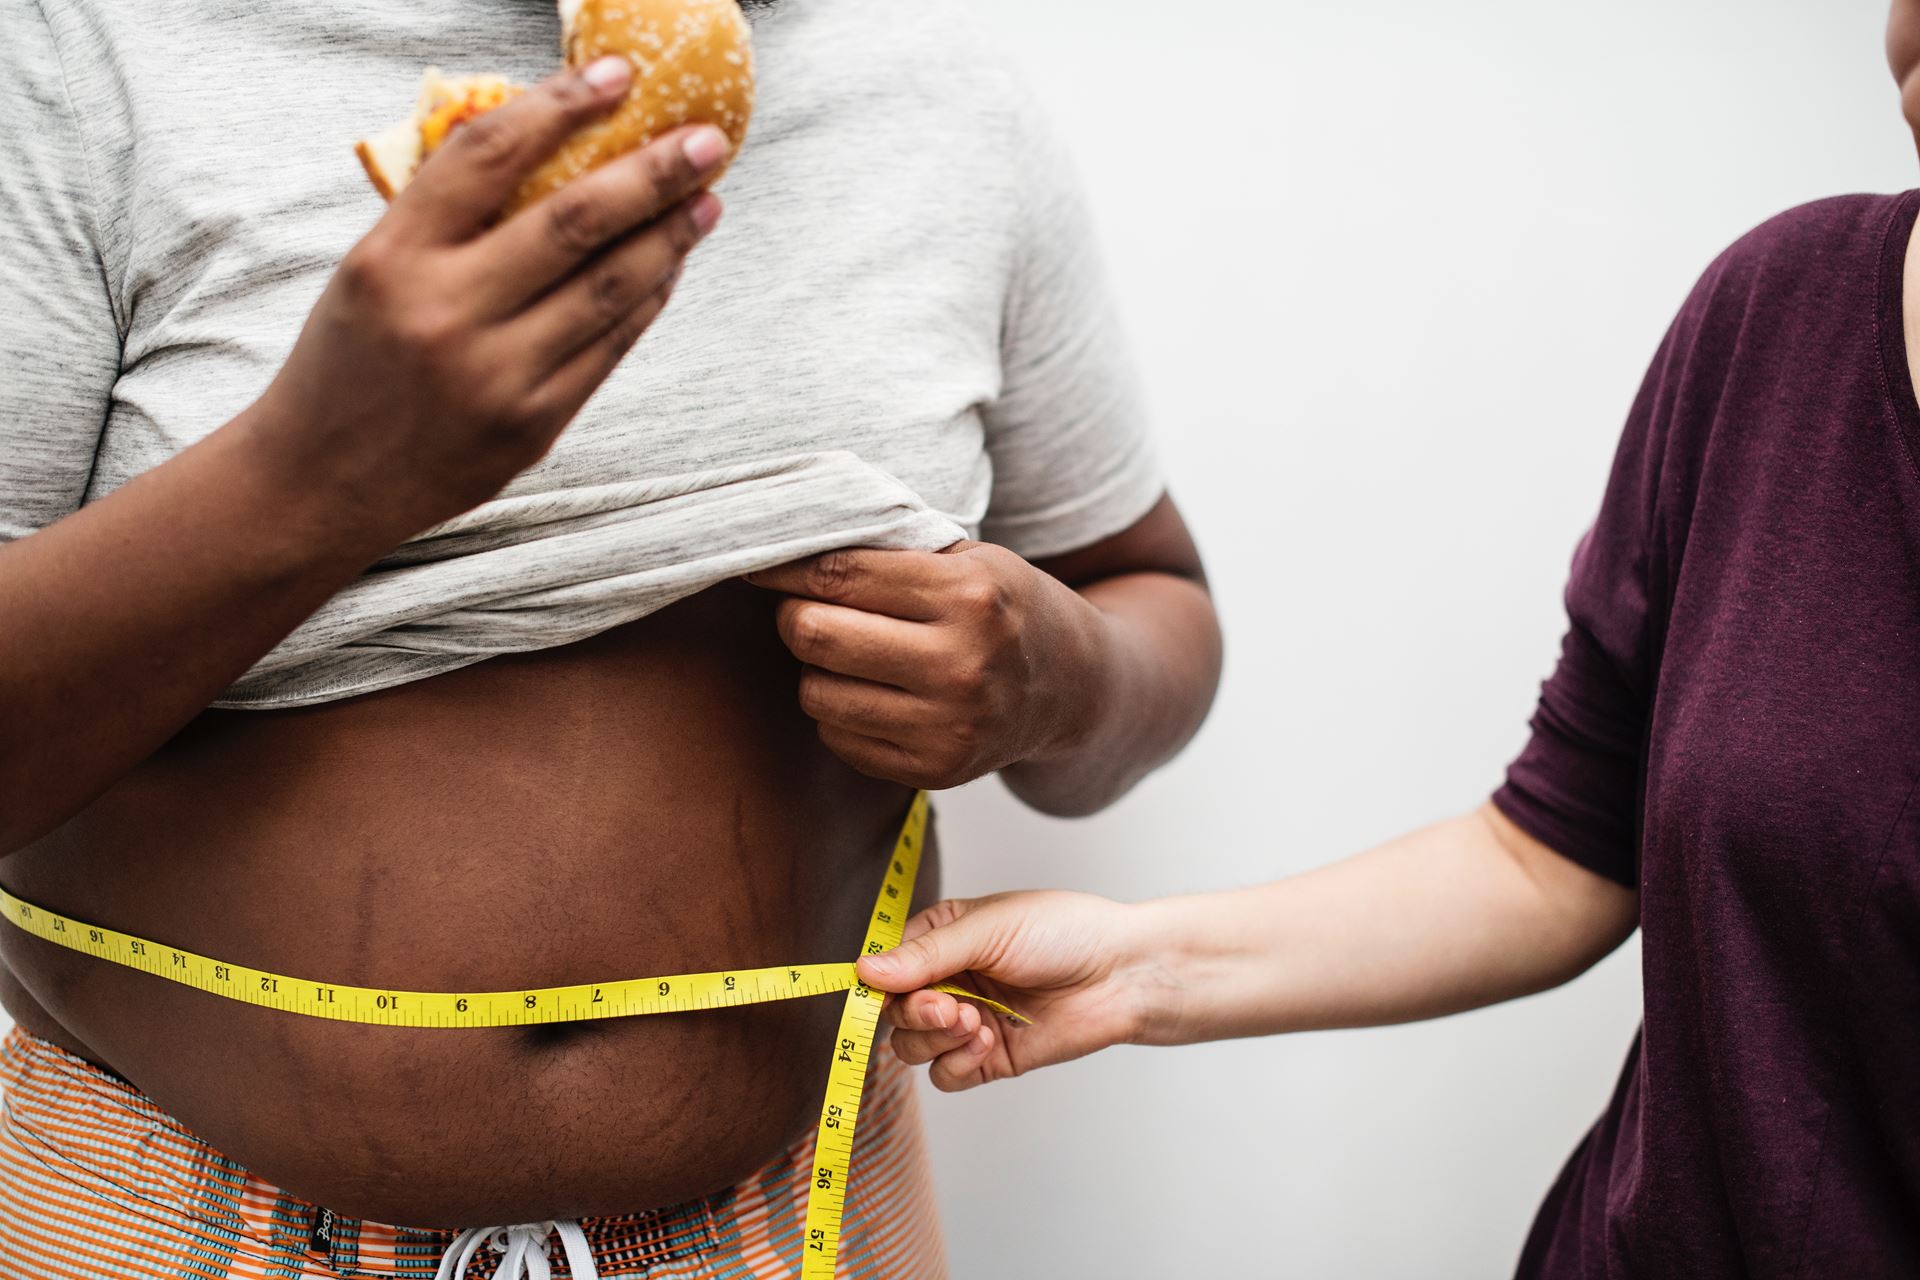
{"x": 1575, "y": 787}
{"x": 1578, "y": 785}
{"x": 59, "y": 337}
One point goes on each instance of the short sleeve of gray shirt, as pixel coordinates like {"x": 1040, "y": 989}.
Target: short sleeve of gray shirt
{"x": 1067, "y": 432}
{"x": 125, "y": 334}
{"x": 59, "y": 339}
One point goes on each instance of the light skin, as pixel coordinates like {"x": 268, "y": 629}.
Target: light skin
{"x": 1455, "y": 916}
{"x": 1903, "y": 56}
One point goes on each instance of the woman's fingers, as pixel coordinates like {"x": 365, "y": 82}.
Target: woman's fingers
{"x": 548, "y": 241}
{"x": 941, "y": 941}
{"x": 915, "y": 1046}
{"x": 620, "y": 292}
{"x": 464, "y": 184}
{"x": 973, "y": 1063}
{"x": 931, "y": 1011}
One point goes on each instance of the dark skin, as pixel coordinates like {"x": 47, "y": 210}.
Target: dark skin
{"x": 933, "y": 670}
{"x": 444, "y": 358}
{"x": 674, "y": 795}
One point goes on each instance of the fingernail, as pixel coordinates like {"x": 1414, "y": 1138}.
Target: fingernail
{"x": 940, "y": 1017}
{"x": 705, "y": 211}
{"x": 609, "y": 74}
{"x": 886, "y": 961}
{"x": 705, "y": 147}
{"x": 978, "y": 1046}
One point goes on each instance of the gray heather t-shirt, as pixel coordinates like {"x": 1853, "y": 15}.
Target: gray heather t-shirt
{"x": 898, "y": 336}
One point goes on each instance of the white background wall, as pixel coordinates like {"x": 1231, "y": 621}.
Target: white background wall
{"x": 1393, "y": 271}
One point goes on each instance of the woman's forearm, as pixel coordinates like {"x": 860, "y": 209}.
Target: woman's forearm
{"x": 122, "y": 621}
{"x": 1159, "y": 655}
{"x": 1458, "y": 915}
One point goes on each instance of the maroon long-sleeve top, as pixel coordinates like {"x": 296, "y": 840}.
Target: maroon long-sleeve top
{"x": 1734, "y": 730}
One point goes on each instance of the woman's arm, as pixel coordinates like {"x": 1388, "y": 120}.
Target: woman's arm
{"x": 443, "y": 358}
{"x": 1455, "y": 916}
{"x": 1074, "y": 678}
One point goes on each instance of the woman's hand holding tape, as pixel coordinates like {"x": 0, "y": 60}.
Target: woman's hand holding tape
{"x": 1075, "y": 965}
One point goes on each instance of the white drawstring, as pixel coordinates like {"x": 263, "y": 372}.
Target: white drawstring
{"x": 525, "y": 1250}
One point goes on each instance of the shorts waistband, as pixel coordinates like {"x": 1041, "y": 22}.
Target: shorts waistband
{"x": 90, "y": 1126}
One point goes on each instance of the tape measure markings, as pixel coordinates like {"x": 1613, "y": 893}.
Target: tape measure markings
{"x": 847, "y": 1071}
{"x": 432, "y": 1010}
{"x": 583, "y": 1002}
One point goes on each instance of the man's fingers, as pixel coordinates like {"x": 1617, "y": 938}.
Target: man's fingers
{"x": 855, "y": 642}
{"x": 861, "y": 706}
{"x": 464, "y": 183}
{"x": 548, "y": 241}
{"x": 622, "y": 280}
{"x": 570, "y": 386}
{"x": 878, "y": 758}
{"x": 915, "y": 585}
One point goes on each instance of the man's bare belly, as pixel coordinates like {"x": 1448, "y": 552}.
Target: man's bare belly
{"x": 650, "y": 801}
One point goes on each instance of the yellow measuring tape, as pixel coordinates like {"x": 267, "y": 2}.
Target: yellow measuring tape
{"x": 632, "y": 997}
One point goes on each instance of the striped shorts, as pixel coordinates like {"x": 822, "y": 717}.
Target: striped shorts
{"x": 97, "y": 1183}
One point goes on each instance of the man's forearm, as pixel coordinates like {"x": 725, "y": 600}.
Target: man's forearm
{"x": 121, "y": 622}
{"x": 1458, "y": 915}
{"x": 1158, "y": 654}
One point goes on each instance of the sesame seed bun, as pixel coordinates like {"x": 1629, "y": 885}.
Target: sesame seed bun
{"x": 692, "y": 64}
